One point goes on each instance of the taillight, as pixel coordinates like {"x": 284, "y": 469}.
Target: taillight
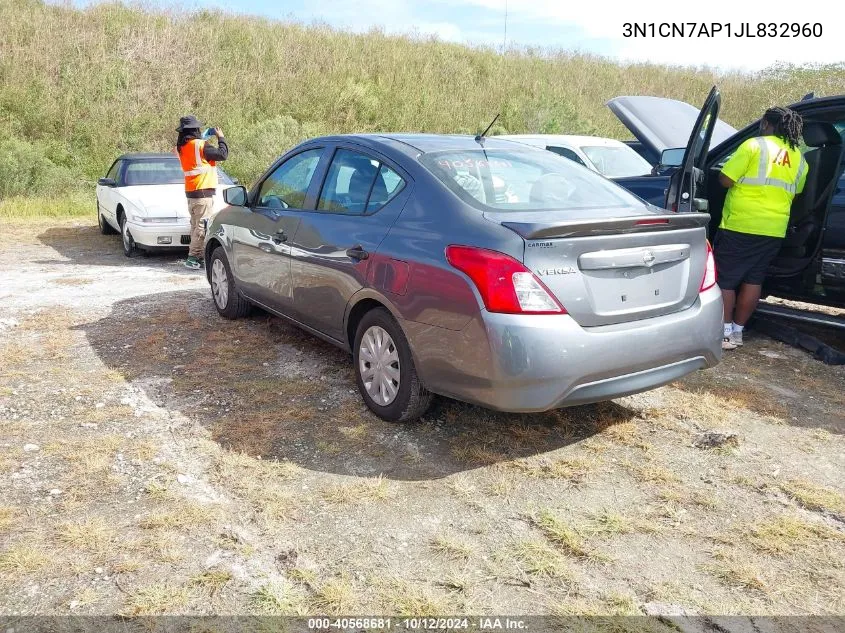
{"x": 504, "y": 283}
{"x": 709, "y": 270}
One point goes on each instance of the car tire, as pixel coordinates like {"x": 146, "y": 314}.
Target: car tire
{"x": 129, "y": 247}
{"x": 379, "y": 331}
{"x": 105, "y": 227}
{"x": 228, "y": 301}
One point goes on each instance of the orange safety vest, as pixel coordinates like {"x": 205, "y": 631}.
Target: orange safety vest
{"x": 199, "y": 173}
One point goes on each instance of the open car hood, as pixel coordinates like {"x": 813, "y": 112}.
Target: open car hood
{"x": 659, "y": 123}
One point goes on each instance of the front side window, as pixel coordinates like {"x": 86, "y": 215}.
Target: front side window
{"x": 165, "y": 171}
{"x": 358, "y": 184}
{"x": 113, "y": 171}
{"x": 287, "y": 186}
{"x": 514, "y": 180}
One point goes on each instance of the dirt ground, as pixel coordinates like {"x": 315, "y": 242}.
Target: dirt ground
{"x": 155, "y": 458}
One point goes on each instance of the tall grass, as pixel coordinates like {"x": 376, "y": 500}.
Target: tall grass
{"x": 80, "y": 86}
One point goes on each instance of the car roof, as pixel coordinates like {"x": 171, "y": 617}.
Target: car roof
{"x": 564, "y": 139}
{"x": 147, "y": 156}
{"x": 415, "y": 143}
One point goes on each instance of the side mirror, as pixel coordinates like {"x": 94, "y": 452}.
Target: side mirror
{"x": 672, "y": 157}
{"x": 235, "y": 196}
{"x": 107, "y": 182}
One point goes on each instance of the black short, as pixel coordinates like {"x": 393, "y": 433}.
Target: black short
{"x": 742, "y": 258}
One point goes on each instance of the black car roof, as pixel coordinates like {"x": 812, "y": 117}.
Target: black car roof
{"x": 147, "y": 156}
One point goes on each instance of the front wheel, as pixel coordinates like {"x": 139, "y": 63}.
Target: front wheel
{"x": 385, "y": 371}
{"x": 105, "y": 227}
{"x": 129, "y": 247}
{"x": 227, "y": 299}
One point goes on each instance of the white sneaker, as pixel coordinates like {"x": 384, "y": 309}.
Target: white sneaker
{"x": 736, "y": 338}
{"x": 727, "y": 343}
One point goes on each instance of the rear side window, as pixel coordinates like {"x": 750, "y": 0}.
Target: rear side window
{"x": 357, "y": 184}
{"x": 520, "y": 180}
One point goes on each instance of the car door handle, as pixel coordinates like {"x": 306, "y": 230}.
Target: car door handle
{"x": 280, "y": 237}
{"x": 356, "y": 252}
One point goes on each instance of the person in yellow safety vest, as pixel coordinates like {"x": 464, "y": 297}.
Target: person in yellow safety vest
{"x": 199, "y": 163}
{"x": 763, "y": 177}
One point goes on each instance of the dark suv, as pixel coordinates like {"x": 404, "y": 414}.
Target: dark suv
{"x": 811, "y": 264}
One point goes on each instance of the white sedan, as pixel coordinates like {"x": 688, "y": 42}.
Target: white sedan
{"x": 142, "y": 197}
{"x": 607, "y": 156}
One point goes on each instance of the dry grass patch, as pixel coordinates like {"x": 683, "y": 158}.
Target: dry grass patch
{"x": 50, "y": 320}
{"x": 23, "y": 559}
{"x": 371, "y": 489}
{"x": 334, "y": 597}
{"x": 467, "y": 449}
{"x": 814, "y": 497}
{"x": 651, "y": 473}
{"x": 733, "y": 571}
{"x": 212, "y": 580}
{"x": 787, "y": 535}
{"x": 452, "y": 548}
{"x": 14, "y": 355}
{"x": 537, "y": 558}
{"x": 127, "y": 566}
{"x": 407, "y": 600}
{"x": 500, "y": 484}
{"x": 9, "y": 516}
{"x": 259, "y": 482}
{"x": 94, "y": 534}
{"x": 574, "y": 470}
{"x": 186, "y": 515}
{"x": 156, "y": 599}
{"x": 278, "y": 598}
{"x": 627, "y": 433}
{"x": 565, "y": 536}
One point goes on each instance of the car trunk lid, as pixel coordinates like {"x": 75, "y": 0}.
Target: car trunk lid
{"x": 613, "y": 270}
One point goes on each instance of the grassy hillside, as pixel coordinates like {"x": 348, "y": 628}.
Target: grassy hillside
{"x": 78, "y": 87}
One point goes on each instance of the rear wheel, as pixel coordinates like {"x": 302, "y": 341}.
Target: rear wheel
{"x": 385, "y": 371}
{"x": 129, "y": 247}
{"x": 227, "y": 299}
{"x": 105, "y": 227}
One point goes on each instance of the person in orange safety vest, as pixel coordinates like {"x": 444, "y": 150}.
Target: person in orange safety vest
{"x": 199, "y": 163}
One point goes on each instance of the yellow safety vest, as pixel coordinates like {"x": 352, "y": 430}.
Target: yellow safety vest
{"x": 768, "y": 174}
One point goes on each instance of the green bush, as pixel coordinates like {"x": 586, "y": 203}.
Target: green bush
{"x": 25, "y": 169}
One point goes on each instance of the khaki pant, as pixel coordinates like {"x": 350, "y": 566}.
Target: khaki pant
{"x": 200, "y": 209}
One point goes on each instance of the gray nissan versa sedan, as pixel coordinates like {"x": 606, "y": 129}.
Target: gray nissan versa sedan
{"x": 475, "y": 268}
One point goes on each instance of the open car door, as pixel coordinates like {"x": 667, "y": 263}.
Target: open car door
{"x": 687, "y": 190}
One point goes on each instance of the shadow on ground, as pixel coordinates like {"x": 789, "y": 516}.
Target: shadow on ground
{"x": 85, "y": 245}
{"x": 265, "y": 388}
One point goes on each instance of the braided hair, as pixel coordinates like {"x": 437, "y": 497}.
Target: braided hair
{"x": 787, "y": 123}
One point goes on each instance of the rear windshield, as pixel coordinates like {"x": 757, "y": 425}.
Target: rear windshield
{"x": 165, "y": 171}
{"x": 519, "y": 180}
{"x": 616, "y": 162}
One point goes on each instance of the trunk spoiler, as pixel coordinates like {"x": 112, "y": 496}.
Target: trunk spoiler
{"x": 611, "y": 226}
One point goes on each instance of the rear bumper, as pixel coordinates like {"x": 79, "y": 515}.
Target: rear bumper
{"x": 148, "y": 235}
{"x": 528, "y": 363}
